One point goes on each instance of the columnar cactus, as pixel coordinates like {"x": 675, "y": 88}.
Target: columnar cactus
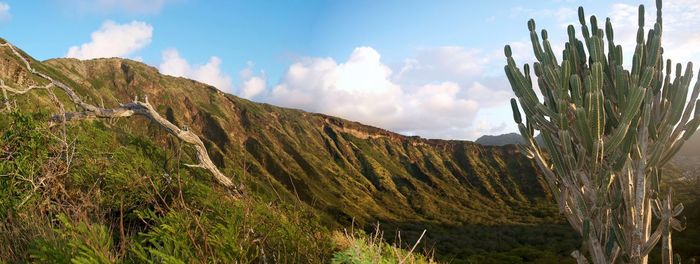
{"x": 607, "y": 132}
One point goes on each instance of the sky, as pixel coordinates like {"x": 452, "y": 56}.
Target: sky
{"x": 427, "y": 68}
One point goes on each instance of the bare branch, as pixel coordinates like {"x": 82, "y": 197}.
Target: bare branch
{"x": 142, "y": 108}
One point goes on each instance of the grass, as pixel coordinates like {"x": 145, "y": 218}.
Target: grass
{"x": 358, "y": 247}
{"x": 100, "y": 195}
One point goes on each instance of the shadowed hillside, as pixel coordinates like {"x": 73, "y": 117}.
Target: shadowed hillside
{"x": 335, "y": 165}
{"x": 351, "y": 172}
{"x": 474, "y": 200}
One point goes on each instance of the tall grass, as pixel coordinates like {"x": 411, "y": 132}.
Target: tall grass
{"x": 358, "y": 247}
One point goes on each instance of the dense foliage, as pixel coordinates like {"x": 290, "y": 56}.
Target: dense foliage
{"x": 100, "y": 196}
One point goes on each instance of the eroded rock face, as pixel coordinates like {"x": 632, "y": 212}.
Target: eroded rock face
{"x": 339, "y": 166}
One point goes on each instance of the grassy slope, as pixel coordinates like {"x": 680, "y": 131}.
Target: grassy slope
{"x": 349, "y": 171}
{"x": 346, "y": 170}
{"x": 125, "y": 198}
{"x": 334, "y": 164}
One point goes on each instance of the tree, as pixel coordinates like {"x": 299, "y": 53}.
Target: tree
{"x": 607, "y": 133}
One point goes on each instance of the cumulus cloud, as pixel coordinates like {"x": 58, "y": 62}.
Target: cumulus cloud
{"x": 478, "y": 73}
{"x": 114, "y": 40}
{"x": 364, "y": 89}
{"x": 210, "y": 73}
{"x": 358, "y": 89}
{"x": 4, "y": 12}
{"x": 488, "y": 96}
{"x": 137, "y": 7}
{"x": 443, "y": 63}
{"x": 680, "y": 43}
{"x": 252, "y": 85}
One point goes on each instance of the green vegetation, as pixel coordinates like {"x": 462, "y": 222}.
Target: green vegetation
{"x": 63, "y": 203}
{"x": 362, "y": 248}
{"x": 117, "y": 189}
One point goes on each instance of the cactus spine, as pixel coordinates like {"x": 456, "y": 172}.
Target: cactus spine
{"x": 606, "y": 134}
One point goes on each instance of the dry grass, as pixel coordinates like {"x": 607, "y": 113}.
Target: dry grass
{"x": 358, "y": 247}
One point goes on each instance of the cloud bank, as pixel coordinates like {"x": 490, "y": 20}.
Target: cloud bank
{"x": 406, "y": 100}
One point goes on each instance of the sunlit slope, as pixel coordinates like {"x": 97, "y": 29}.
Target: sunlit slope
{"x": 341, "y": 167}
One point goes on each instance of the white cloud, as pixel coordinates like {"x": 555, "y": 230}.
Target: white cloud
{"x": 173, "y": 64}
{"x": 443, "y": 63}
{"x": 4, "y": 12}
{"x": 681, "y": 20}
{"x": 136, "y": 7}
{"x": 680, "y": 40}
{"x": 681, "y": 37}
{"x": 209, "y": 73}
{"x": 478, "y": 73}
{"x": 252, "y": 85}
{"x": 366, "y": 90}
{"x": 488, "y": 96}
{"x": 358, "y": 89}
{"x": 114, "y": 40}
{"x": 492, "y": 121}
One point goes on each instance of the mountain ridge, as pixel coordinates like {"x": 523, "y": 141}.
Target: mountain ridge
{"x": 500, "y": 140}
{"x": 352, "y": 174}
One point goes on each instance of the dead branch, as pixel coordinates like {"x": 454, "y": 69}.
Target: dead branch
{"x": 142, "y": 108}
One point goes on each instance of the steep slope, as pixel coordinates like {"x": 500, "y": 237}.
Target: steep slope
{"x": 336, "y": 165}
{"x": 349, "y": 171}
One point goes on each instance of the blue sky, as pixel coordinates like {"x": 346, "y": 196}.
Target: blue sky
{"x": 430, "y": 68}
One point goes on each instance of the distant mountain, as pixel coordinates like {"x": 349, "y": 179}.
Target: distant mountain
{"x": 501, "y": 140}
{"x": 505, "y": 139}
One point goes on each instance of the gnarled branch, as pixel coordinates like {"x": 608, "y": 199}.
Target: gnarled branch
{"x": 142, "y": 108}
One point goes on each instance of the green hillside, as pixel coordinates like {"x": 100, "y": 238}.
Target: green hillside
{"x": 337, "y": 165}
{"x": 118, "y": 190}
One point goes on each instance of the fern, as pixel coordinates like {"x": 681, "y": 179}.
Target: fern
{"x": 79, "y": 244}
